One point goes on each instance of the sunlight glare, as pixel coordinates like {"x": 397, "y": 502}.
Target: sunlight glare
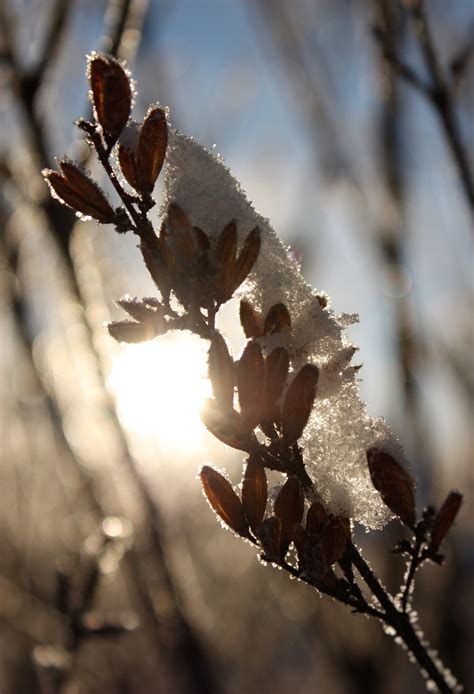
{"x": 160, "y": 387}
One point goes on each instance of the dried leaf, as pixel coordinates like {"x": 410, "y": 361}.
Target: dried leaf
{"x": 277, "y": 319}
{"x": 334, "y": 541}
{"x": 250, "y": 378}
{"x": 223, "y": 499}
{"x": 221, "y": 372}
{"x": 276, "y": 372}
{"x": 444, "y": 519}
{"x": 111, "y": 94}
{"x": 227, "y": 426}
{"x": 316, "y": 518}
{"x": 152, "y": 148}
{"x": 254, "y": 492}
{"x": 247, "y": 257}
{"x": 288, "y": 507}
{"x": 299, "y": 402}
{"x": 394, "y": 483}
{"x": 250, "y": 320}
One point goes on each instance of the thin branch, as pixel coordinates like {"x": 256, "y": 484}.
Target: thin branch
{"x": 438, "y": 91}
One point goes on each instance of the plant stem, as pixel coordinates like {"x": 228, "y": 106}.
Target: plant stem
{"x": 400, "y": 621}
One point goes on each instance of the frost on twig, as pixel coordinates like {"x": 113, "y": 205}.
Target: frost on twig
{"x": 339, "y": 431}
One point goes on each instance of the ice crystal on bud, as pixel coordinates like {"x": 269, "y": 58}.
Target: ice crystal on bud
{"x": 339, "y": 431}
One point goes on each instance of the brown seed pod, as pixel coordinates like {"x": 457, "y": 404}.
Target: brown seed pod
{"x": 111, "y": 94}
{"x": 444, "y": 519}
{"x": 221, "y": 372}
{"x": 223, "y": 499}
{"x": 247, "y": 257}
{"x": 254, "y": 492}
{"x": 202, "y": 239}
{"x": 394, "y": 483}
{"x": 299, "y": 402}
{"x": 276, "y": 372}
{"x": 74, "y": 188}
{"x": 269, "y": 536}
{"x": 311, "y": 560}
{"x": 227, "y": 426}
{"x": 316, "y": 518}
{"x": 151, "y": 148}
{"x": 334, "y": 541}
{"x": 277, "y": 319}
{"x": 288, "y": 508}
{"x": 226, "y": 248}
{"x": 178, "y": 239}
{"x": 250, "y": 379}
{"x": 127, "y": 153}
{"x": 250, "y": 320}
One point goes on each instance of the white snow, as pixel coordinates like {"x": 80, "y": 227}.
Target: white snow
{"x": 339, "y": 431}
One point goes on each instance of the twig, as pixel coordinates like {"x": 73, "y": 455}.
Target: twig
{"x": 438, "y": 91}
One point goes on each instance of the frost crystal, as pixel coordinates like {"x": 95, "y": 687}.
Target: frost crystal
{"x": 340, "y": 431}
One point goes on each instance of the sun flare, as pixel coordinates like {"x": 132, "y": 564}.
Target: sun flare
{"x": 160, "y": 387}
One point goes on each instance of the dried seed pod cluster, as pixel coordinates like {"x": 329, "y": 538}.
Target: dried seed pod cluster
{"x": 320, "y": 541}
{"x": 202, "y": 274}
{"x": 111, "y": 94}
{"x": 269, "y": 397}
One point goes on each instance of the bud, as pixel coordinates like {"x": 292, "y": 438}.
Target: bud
{"x": 74, "y": 188}
{"x": 444, "y": 519}
{"x": 250, "y": 376}
{"x": 277, "y": 319}
{"x": 223, "y": 499}
{"x": 269, "y": 537}
{"x": 254, "y": 492}
{"x": 247, "y": 257}
{"x": 333, "y": 541}
{"x": 227, "y": 426}
{"x": 276, "y": 372}
{"x": 394, "y": 483}
{"x": 221, "y": 372}
{"x": 225, "y": 251}
{"x": 127, "y": 153}
{"x": 250, "y": 320}
{"x": 311, "y": 560}
{"x": 316, "y": 518}
{"x": 288, "y": 508}
{"x": 178, "y": 239}
{"x": 299, "y": 402}
{"x": 152, "y": 148}
{"x": 111, "y": 94}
